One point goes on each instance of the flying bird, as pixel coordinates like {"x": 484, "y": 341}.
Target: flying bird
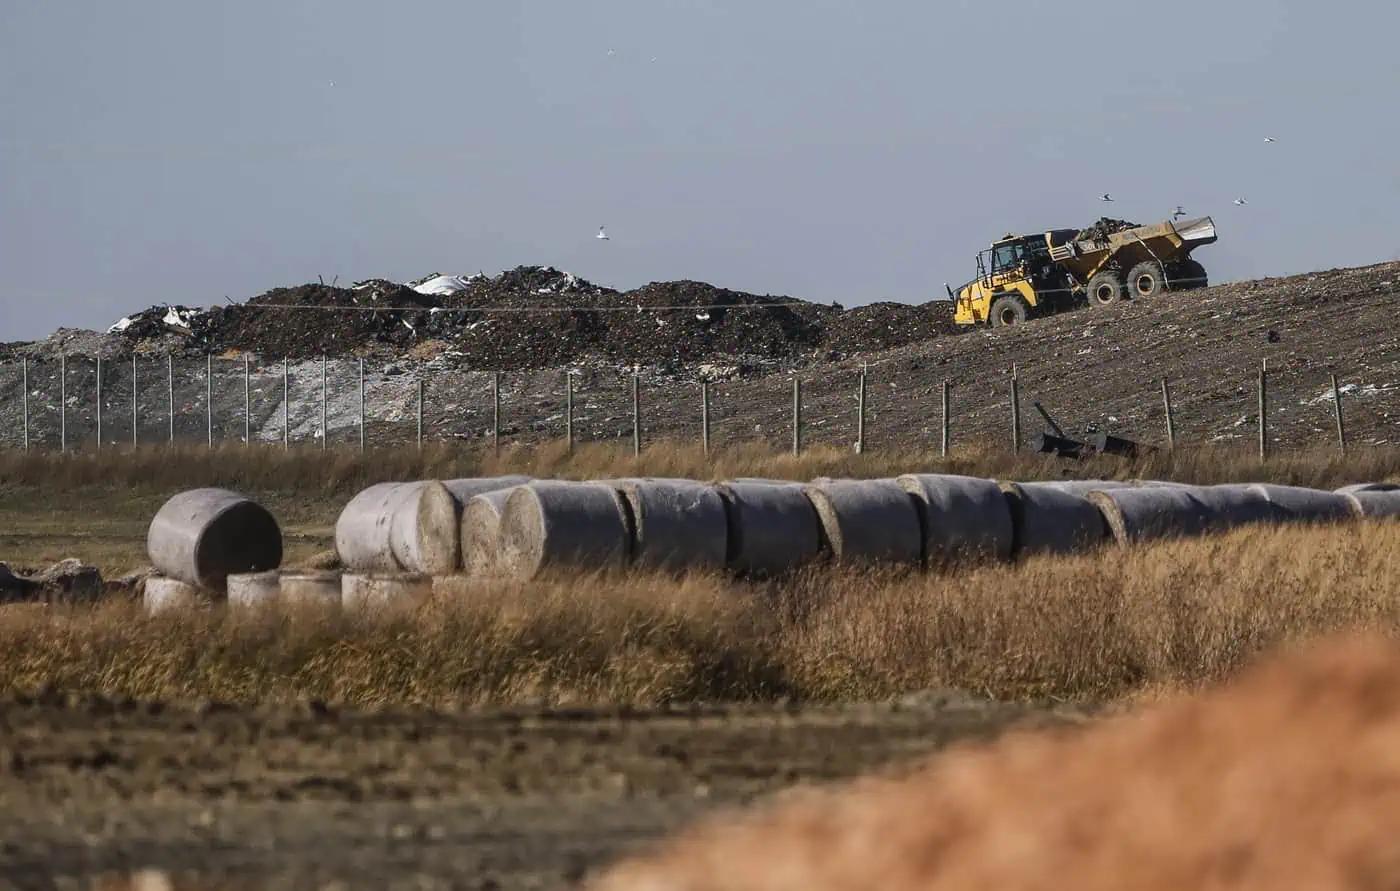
{"x": 602, "y": 234}
{"x": 1240, "y": 202}
{"x": 1105, "y": 197}
{"x": 1178, "y": 213}
{"x": 1270, "y": 139}
{"x": 612, "y": 52}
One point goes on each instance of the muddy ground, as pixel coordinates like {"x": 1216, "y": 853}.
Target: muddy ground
{"x": 310, "y": 797}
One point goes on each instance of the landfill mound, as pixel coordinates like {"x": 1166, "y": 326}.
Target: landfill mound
{"x": 1289, "y": 778}
{"x": 534, "y": 317}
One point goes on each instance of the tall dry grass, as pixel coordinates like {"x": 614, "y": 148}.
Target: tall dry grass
{"x": 338, "y": 471}
{"x": 1089, "y": 628}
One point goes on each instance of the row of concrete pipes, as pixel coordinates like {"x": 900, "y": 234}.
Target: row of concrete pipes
{"x": 397, "y": 536}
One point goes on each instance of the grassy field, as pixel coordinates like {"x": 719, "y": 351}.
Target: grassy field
{"x": 1104, "y": 626}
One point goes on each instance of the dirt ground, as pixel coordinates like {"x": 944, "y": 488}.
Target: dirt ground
{"x": 307, "y": 797}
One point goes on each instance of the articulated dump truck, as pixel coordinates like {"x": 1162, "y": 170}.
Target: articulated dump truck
{"x": 1024, "y": 276}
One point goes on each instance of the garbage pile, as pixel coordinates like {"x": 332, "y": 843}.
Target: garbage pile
{"x": 1105, "y": 227}
{"x": 535, "y": 317}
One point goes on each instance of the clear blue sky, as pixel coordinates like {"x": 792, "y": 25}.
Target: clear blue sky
{"x": 177, "y": 151}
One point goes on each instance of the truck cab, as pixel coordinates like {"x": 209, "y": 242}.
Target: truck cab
{"x": 1015, "y": 277}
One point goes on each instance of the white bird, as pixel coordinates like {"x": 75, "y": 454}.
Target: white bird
{"x": 653, "y": 58}
{"x": 332, "y": 83}
{"x": 1270, "y": 139}
{"x": 1178, "y": 213}
{"x": 1105, "y": 197}
{"x": 1240, "y": 202}
{"x": 612, "y": 52}
{"x": 602, "y": 234}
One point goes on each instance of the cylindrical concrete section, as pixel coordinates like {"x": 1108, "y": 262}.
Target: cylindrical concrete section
{"x": 1297, "y": 504}
{"x": 481, "y": 532}
{"x": 466, "y": 489}
{"x": 254, "y": 589}
{"x": 384, "y": 591}
{"x": 399, "y": 526}
{"x": 311, "y": 588}
{"x": 1080, "y": 487}
{"x": 963, "y": 517}
{"x": 868, "y": 521}
{"x": 1373, "y": 499}
{"x": 164, "y": 594}
{"x": 204, "y": 535}
{"x": 551, "y": 524}
{"x": 676, "y": 524}
{"x": 1052, "y": 518}
{"x": 773, "y": 527}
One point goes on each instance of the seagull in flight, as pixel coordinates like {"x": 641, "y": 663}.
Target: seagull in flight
{"x": 1178, "y": 213}
{"x": 1240, "y": 202}
{"x": 602, "y": 234}
{"x": 1270, "y": 139}
{"x": 612, "y": 52}
{"x": 1105, "y": 197}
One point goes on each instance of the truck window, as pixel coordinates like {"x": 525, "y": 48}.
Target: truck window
{"x": 1006, "y": 256}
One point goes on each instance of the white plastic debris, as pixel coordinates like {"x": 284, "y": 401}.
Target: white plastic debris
{"x": 444, "y": 285}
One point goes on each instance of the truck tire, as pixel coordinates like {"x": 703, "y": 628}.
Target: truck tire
{"x": 1193, "y": 275}
{"x": 1008, "y": 309}
{"x": 1104, "y": 289}
{"x": 1146, "y": 279}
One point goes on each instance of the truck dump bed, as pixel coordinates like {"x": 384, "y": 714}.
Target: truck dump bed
{"x": 1166, "y": 242}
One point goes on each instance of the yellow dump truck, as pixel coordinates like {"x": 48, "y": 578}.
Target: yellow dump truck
{"x": 1023, "y": 276}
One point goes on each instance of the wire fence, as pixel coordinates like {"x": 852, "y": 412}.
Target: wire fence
{"x": 83, "y": 404}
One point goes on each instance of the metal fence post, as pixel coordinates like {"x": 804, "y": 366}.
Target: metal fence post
{"x": 569, "y": 410}
{"x": 99, "y": 403}
{"x": 495, "y": 411}
{"x": 209, "y": 398}
{"x": 796, "y": 416}
{"x": 135, "y": 428}
{"x": 420, "y": 413}
{"x": 286, "y": 406}
{"x": 362, "y": 404}
{"x": 325, "y": 433}
{"x": 636, "y": 415}
{"x": 1264, "y": 411}
{"x": 1167, "y": 410}
{"x": 705, "y": 416}
{"x": 1337, "y": 406}
{"x": 947, "y": 421}
{"x": 1015, "y": 412}
{"x": 860, "y": 413}
{"x": 247, "y": 404}
{"x": 63, "y": 402}
{"x": 24, "y": 371}
{"x": 170, "y": 393}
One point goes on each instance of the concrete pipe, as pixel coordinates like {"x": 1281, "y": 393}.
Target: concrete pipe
{"x": 1077, "y": 487}
{"x": 550, "y": 524}
{"x": 1145, "y": 514}
{"x": 962, "y": 516}
{"x": 1048, "y": 518}
{"x": 203, "y": 535}
{"x": 1354, "y": 488}
{"x": 481, "y": 532}
{"x": 1234, "y": 504}
{"x": 676, "y": 524}
{"x": 868, "y": 521}
{"x": 164, "y": 594}
{"x": 1375, "y": 502}
{"x": 384, "y": 591}
{"x": 1297, "y": 504}
{"x": 466, "y": 489}
{"x": 311, "y": 588}
{"x": 254, "y": 590}
{"x": 399, "y": 526}
{"x": 772, "y": 528}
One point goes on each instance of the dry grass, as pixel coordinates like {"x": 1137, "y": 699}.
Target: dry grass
{"x": 1091, "y": 628}
{"x": 1288, "y": 779}
{"x": 312, "y": 472}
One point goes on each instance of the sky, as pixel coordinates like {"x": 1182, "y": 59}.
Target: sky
{"x": 176, "y": 152}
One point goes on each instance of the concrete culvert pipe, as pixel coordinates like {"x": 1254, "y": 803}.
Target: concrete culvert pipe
{"x": 1050, "y": 518}
{"x": 1155, "y": 512}
{"x": 384, "y": 591}
{"x": 311, "y": 588}
{"x": 1375, "y": 502}
{"x": 204, "y": 535}
{"x": 868, "y": 521}
{"x": 549, "y": 524}
{"x": 676, "y": 524}
{"x": 164, "y": 594}
{"x": 1302, "y": 505}
{"x": 962, "y": 516}
{"x": 481, "y": 532}
{"x": 772, "y": 528}
{"x": 1078, "y": 487}
{"x": 399, "y": 526}
{"x": 254, "y": 589}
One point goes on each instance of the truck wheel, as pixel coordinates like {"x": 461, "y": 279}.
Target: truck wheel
{"x": 1146, "y": 279}
{"x": 1194, "y": 275}
{"x": 1008, "y": 309}
{"x": 1104, "y": 289}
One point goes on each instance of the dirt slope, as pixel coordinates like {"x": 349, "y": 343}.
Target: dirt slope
{"x": 1287, "y": 779}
